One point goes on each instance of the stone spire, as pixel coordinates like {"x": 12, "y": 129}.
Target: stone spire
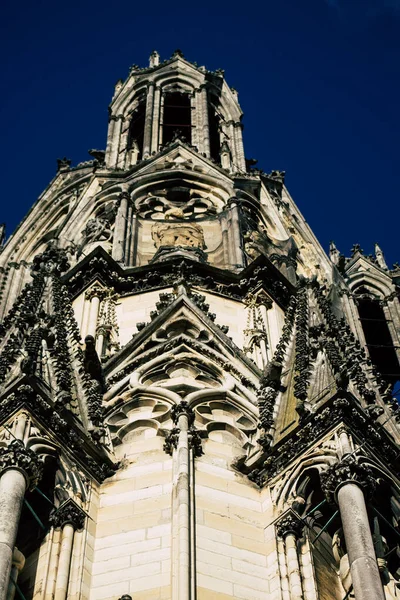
{"x": 334, "y": 253}
{"x": 380, "y": 259}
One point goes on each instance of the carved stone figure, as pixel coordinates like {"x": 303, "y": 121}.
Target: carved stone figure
{"x": 98, "y": 229}
{"x": 177, "y": 233}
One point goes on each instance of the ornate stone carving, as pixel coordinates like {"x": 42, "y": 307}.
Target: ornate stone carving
{"x": 16, "y": 456}
{"x": 98, "y": 229}
{"x": 195, "y": 442}
{"x": 99, "y": 465}
{"x": 302, "y": 357}
{"x": 52, "y": 261}
{"x": 182, "y": 408}
{"x": 171, "y": 441}
{"x": 271, "y": 380}
{"x": 69, "y": 513}
{"x": 339, "y": 409}
{"x": 231, "y": 285}
{"x": 347, "y": 470}
{"x": 63, "y": 163}
{"x": 290, "y": 524}
{"x": 177, "y": 233}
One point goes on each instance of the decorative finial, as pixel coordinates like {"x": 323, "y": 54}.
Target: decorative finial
{"x": 63, "y": 163}
{"x": 178, "y": 53}
{"x": 2, "y": 234}
{"x": 333, "y": 253}
{"x": 356, "y": 249}
{"x": 154, "y": 59}
{"x": 380, "y": 259}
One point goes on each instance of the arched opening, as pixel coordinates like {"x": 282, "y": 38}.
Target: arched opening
{"x": 177, "y": 121}
{"x": 377, "y": 336}
{"x": 213, "y": 128}
{"x": 34, "y": 525}
{"x": 136, "y": 130}
{"x": 323, "y": 524}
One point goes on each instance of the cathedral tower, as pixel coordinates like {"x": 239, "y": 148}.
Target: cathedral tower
{"x": 196, "y": 402}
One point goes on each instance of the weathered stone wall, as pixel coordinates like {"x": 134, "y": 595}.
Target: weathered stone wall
{"x": 132, "y": 549}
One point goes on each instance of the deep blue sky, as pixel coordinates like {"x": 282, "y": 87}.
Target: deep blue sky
{"x": 318, "y": 81}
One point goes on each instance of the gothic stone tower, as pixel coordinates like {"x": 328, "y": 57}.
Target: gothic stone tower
{"x": 196, "y": 402}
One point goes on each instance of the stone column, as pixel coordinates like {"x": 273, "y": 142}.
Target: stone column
{"x": 94, "y": 295}
{"x": 241, "y": 162}
{"x": 235, "y": 236}
{"x": 290, "y": 530}
{"x": 115, "y": 140}
{"x": 68, "y": 517}
{"x": 232, "y": 145}
{"x": 181, "y": 418}
{"x": 156, "y": 120}
{"x": 120, "y": 227}
{"x": 20, "y": 469}
{"x": 345, "y": 483}
{"x": 195, "y": 128}
{"x": 204, "y": 130}
{"x": 18, "y": 562}
{"x": 123, "y": 145}
{"x": 148, "y": 125}
{"x": 185, "y": 444}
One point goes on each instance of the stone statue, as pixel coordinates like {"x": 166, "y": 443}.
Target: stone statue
{"x": 134, "y": 153}
{"x": 98, "y": 229}
{"x": 342, "y": 558}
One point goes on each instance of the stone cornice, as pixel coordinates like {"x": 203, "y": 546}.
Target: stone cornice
{"x": 98, "y": 265}
{"x": 377, "y": 441}
{"x": 29, "y": 395}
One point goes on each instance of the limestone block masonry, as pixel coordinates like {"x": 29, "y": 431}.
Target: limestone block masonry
{"x": 196, "y": 402}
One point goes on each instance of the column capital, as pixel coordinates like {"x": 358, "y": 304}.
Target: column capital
{"x": 289, "y": 524}
{"x": 124, "y": 196}
{"x": 182, "y": 408}
{"x": 16, "y": 456}
{"x": 96, "y": 291}
{"x": 347, "y": 470}
{"x": 69, "y": 513}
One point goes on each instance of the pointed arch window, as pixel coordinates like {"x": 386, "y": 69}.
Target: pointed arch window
{"x": 377, "y": 335}
{"x": 136, "y": 129}
{"x": 177, "y": 120}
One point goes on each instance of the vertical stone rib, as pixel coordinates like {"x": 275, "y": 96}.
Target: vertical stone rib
{"x": 120, "y": 228}
{"x": 204, "y": 121}
{"x": 156, "y": 121}
{"x": 183, "y": 508}
{"x": 148, "y": 126}
{"x": 115, "y": 141}
{"x": 64, "y": 562}
{"x": 290, "y": 529}
{"x": 69, "y": 517}
{"x": 293, "y": 567}
{"x": 183, "y": 443}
